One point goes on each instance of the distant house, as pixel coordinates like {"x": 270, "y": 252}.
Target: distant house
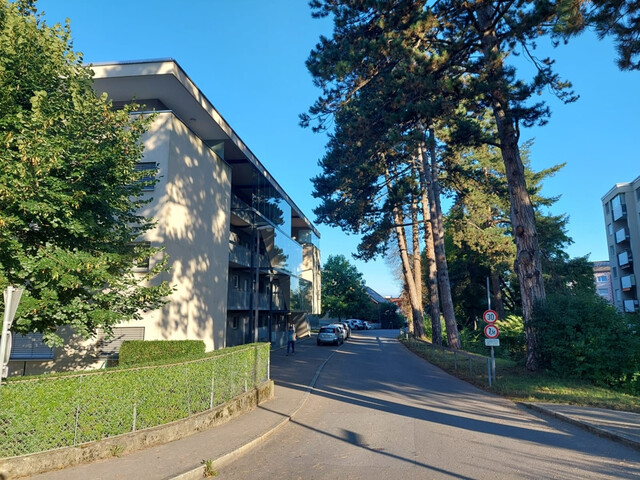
{"x": 602, "y": 280}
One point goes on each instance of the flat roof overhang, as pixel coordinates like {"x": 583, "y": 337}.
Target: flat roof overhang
{"x": 166, "y": 81}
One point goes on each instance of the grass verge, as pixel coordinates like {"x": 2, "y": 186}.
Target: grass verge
{"x": 518, "y": 384}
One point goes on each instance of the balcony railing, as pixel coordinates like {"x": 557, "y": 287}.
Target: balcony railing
{"x": 619, "y": 211}
{"x": 622, "y": 235}
{"x": 628, "y": 282}
{"x": 630, "y": 306}
{"x": 241, "y": 300}
{"x": 624, "y": 259}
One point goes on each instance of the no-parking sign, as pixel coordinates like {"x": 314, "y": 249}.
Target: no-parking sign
{"x": 491, "y": 331}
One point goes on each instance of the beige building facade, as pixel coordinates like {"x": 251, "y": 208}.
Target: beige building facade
{"x": 244, "y": 260}
{"x": 621, "y": 207}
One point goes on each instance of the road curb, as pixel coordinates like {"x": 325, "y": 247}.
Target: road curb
{"x": 199, "y": 472}
{"x": 600, "y": 431}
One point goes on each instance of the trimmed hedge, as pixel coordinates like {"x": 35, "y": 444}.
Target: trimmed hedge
{"x": 141, "y": 352}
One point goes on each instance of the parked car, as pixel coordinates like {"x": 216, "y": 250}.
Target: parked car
{"x": 367, "y": 325}
{"x": 355, "y": 324}
{"x": 341, "y": 330}
{"x": 347, "y": 328}
{"x": 329, "y": 334}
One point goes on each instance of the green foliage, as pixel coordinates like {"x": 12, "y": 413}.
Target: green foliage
{"x": 512, "y": 339}
{"x": 389, "y": 316}
{"x": 140, "y": 352}
{"x": 69, "y": 190}
{"x": 53, "y": 412}
{"x": 516, "y": 383}
{"x": 343, "y": 289}
{"x": 582, "y": 336}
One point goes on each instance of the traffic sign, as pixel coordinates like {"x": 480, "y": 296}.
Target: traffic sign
{"x": 491, "y": 331}
{"x": 490, "y": 316}
{"x": 491, "y": 342}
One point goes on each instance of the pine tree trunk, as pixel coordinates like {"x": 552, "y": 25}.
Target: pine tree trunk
{"x": 432, "y": 271}
{"x": 498, "y": 303}
{"x": 433, "y": 192}
{"x": 527, "y": 265}
{"x": 414, "y": 291}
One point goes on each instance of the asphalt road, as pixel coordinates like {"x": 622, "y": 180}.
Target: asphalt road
{"x": 379, "y": 412}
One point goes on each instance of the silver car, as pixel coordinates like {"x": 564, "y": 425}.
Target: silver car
{"x": 329, "y": 335}
{"x": 342, "y": 330}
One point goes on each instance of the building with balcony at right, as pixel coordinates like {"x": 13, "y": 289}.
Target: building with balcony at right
{"x": 621, "y": 207}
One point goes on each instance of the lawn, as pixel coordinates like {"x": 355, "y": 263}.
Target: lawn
{"x": 513, "y": 381}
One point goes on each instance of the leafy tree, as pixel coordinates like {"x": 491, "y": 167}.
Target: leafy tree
{"x": 69, "y": 189}
{"x": 343, "y": 289}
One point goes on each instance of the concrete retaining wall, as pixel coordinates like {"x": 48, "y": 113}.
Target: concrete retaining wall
{"x": 25, "y": 465}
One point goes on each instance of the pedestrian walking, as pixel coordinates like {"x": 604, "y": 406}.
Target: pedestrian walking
{"x": 291, "y": 340}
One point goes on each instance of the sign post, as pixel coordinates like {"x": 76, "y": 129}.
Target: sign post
{"x": 491, "y": 333}
{"x": 11, "y": 299}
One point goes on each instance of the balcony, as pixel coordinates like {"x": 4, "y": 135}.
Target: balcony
{"x": 241, "y": 300}
{"x": 631, "y": 306}
{"x": 624, "y": 259}
{"x": 622, "y": 235}
{"x": 628, "y": 282}
{"x": 619, "y": 211}
{"x": 239, "y": 255}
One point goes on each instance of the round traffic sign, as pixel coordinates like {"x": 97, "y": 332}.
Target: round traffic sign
{"x": 490, "y": 316}
{"x": 491, "y": 331}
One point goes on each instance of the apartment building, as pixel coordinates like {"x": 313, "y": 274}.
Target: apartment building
{"x": 602, "y": 280}
{"x": 245, "y": 260}
{"x": 621, "y": 207}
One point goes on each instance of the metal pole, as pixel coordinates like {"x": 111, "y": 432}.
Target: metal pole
{"x": 493, "y": 365}
{"x": 488, "y": 294}
{"x": 12, "y": 297}
{"x": 489, "y": 370}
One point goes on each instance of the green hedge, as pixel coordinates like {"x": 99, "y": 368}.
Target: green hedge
{"x": 582, "y": 336}
{"x": 141, "y": 352}
{"x": 45, "y": 413}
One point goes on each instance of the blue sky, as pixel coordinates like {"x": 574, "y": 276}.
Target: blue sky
{"x": 248, "y": 56}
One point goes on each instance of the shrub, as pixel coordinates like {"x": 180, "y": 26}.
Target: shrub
{"x": 140, "y": 352}
{"x": 582, "y": 336}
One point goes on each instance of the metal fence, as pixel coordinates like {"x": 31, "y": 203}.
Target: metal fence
{"x": 466, "y": 365}
{"x": 54, "y": 412}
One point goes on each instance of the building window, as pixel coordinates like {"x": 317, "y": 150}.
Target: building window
{"x": 235, "y": 279}
{"x": 141, "y": 264}
{"x": 30, "y": 347}
{"x": 147, "y": 180}
{"x": 601, "y": 278}
{"x": 109, "y": 346}
{"x": 606, "y": 208}
{"x": 618, "y": 296}
{"x": 235, "y": 320}
{"x": 614, "y": 272}
{"x": 612, "y": 252}
{"x": 610, "y": 229}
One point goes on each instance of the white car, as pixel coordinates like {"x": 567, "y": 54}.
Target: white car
{"x": 342, "y": 331}
{"x": 329, "y": 334}
{"x": 355, "y": 324}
